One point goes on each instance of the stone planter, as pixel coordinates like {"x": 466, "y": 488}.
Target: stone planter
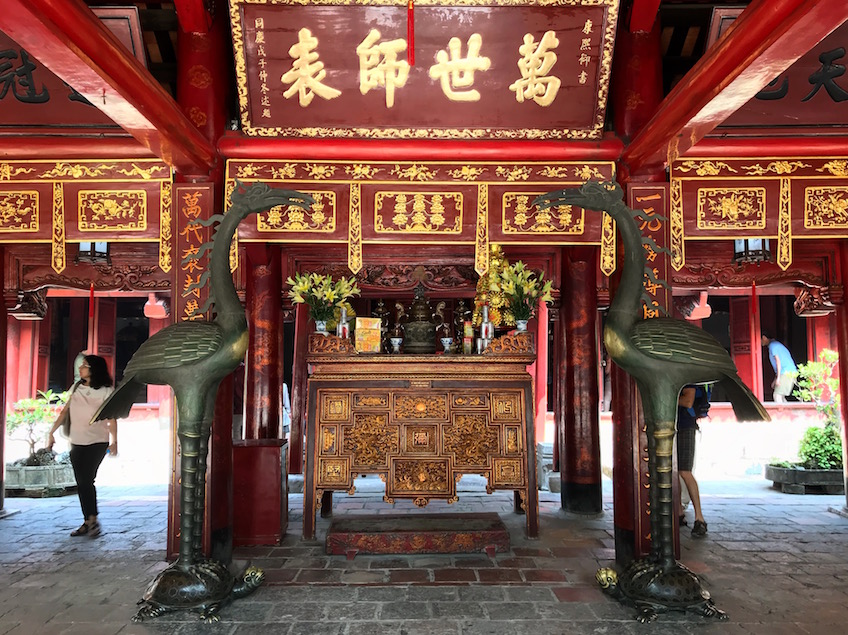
{"x": 40, "y": 481}
{"x": 794, "y": 481}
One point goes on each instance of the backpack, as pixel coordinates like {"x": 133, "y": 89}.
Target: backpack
{"x": 701, "y": 406}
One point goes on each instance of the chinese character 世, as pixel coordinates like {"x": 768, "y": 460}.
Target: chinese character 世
{"x": 379, "y": 65}
{"x": 454, "y": 71}
{"x": 307, "y": 73}
{"x": 535, "y": 66}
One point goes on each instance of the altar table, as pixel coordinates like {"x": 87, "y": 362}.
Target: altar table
{"x": 420, "y": 422}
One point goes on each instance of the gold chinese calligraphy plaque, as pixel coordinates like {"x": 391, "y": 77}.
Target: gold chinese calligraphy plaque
{"x": 509, "y": 69}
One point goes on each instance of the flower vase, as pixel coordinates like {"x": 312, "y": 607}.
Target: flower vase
{"x": 521, "y": 325}
{"x": 321, "y": 327}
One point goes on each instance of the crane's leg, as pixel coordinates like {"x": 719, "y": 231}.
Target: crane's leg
{"x": 200, "y": 485}
{"x": 189, "y": 434}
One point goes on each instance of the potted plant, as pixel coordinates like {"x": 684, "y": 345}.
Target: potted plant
{"x": 820, "y": 450}
{"x": 43, "y": 472}
{"x": 322, "y": 295}
{"x": 522, "y": 290}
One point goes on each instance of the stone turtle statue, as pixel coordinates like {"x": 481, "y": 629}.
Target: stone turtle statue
{"x": 204, "y": 587}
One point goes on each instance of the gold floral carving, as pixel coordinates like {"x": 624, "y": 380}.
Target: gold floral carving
{"x": 165, "y": 221}
{"x": 467, "y": 173}
{"x": 414, "y": 172}
{"x": 19, "y": 211}
{"x": 778, "y": 167}
{"x": 418, "y": 212}
{"x": 506, "y": 407}
{"x": 826, "y": 207}
{"x": 321, "y": 216}
{"x": 330, "y": 345}
{"x": 57, "y": 241}
{"x": 703, "y": 168}
{"x": 515, "y": 173}
{"x": 328, "y": 440}
{"x": 471, "y": 440}
{"x": 608, "y": 256}
{"x": 837, "y": 167}
{"x": 370, "y": 440}
{"x": 332, "y": 472}
{"x": 335, "y": 406}
{"x": 360, "y": 171}
{"x": 7, "y": 171}
{"x": 370, "y": 401}
{"x": 512, "y": 344}
{"x": 481, "y": 235}
{"x": 319, "y": 171}
{"x": 410, "y": 476}
{"x": 508, "y": 472}
{"x": 678, "y": 257}
{"x": 520, "y": 216}
{"x": 106, "y": 210}
{"x": 471, "y": 401}
{"x": 248, "y": 171}
{"x": 284, "y": 172}
{"x": 146, "y": 175}
{"x": 420, "y": 439}
{"x": 784, "y": 225}
{"x": 354, "y": 229}
{"x": 412, "y": 407}
{"x": 76, "y": 170}
{"x": 736, "y": 208}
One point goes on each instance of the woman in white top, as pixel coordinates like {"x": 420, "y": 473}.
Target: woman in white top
{"x": 89, "y": 439}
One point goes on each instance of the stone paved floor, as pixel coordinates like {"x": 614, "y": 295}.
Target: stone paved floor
{"x": 777, "y": 563}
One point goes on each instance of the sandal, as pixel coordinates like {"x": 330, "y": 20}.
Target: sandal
{"x": 82, "y": 531}
{"x": 683, "y": 522}
{"x": 94, "y": 530}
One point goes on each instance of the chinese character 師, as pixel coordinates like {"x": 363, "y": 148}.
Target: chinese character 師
{"x": 455, "y": 71}
{"x": 379, "y": 65}
{"x": 307, "y": 73}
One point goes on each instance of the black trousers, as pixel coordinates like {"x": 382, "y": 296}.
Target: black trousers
{"x": 86, "y": 459}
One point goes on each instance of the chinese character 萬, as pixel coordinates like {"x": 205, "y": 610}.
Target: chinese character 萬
{"x": 535, "y": 65}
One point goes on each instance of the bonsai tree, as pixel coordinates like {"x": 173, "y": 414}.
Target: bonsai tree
{"x": 31, "y": 418}
{"x": 821, "y": 447}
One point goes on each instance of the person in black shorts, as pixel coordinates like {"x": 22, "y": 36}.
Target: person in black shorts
{"x": 687, "y": 425}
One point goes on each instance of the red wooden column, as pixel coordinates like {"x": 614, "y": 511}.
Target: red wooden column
{"x": 579, "y": 439}
{"x": 298, "y": 393}
{"x": 842, "y": 324}
{"x": 3, "y": 329}
{"x": 263, "y": 370}
{"x": 637, "y": 91}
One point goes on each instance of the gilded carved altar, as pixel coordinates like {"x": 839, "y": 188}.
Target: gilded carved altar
{"x": 420, "y": 422}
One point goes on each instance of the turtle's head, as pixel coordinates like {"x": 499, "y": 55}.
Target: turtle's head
{"x": 607, "y": 578}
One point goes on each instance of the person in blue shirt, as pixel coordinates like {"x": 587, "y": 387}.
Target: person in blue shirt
{"x": 785, "y": 370}
{"x": 687, "y": 425}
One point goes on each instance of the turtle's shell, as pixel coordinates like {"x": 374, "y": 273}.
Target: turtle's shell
{"x": 676, "y": 588}
{"x": 193, "y": 586}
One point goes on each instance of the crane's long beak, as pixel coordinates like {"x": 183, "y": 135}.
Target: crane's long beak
{"x": 569, "y": 196}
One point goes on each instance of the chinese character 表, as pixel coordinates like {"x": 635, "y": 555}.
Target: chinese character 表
{"x": 21, "y": 77}
{"x": 535, "y": 65}
{"x": 454, "y": 71}
{"x": 307, "y": 73}
{"x": 379, "y": 65}
{"x": 825, "y": 76}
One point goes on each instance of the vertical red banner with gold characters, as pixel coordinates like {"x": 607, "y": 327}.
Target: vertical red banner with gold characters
{"x": 191, "y": 203}
{"x": 651, "y": 199}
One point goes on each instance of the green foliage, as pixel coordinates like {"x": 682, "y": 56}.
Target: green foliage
{"x": 821, "y": 448}
{"x": 31, "y": 418}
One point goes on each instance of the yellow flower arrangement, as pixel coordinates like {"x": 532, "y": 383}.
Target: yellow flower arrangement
{"x": 321, "y": 293}
{"x": 522, "y": 290}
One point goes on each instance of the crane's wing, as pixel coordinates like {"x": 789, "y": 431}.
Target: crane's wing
{"x": 677, "y": 341}
{"x": 165, "y": 353}
{"x": 746, "y": 406}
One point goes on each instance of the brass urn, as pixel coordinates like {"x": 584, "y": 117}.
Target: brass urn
{"x": 420, "y": 330}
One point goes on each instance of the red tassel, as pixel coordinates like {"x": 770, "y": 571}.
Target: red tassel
{"x": 410, "y": 32}
{"x": 91, "y": 301}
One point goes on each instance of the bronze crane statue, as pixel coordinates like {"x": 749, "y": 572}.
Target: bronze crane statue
{"x": 662, "y": 355}
{"x": 193, "y": 357}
